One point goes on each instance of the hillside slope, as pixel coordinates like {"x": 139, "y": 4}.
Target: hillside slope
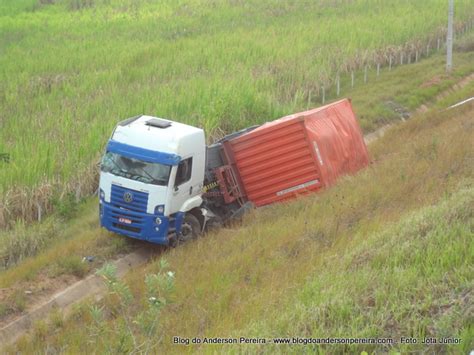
{"x": 385, "y": 253}
{"x": 43, "y": 258}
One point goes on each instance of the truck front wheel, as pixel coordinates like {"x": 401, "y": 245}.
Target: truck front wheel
{"x": 190, "y": 229}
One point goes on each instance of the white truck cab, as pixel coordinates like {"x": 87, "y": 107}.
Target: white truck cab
{"x": 151, "y": 179}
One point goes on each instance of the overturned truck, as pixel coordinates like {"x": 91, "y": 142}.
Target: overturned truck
{"x": 159, "y": 181}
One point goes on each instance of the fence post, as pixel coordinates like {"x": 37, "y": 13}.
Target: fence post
{"x": 338, "y": 85}
{"x": 390, "y": 63}
{"x": 401, "y": 58}
{"x": 427, "y": 49}
{"x": 365, "y": 74}
{"x": 438, "y": 43}
{"x": 324, "y": 95}
{"x": 352, "y": 79}
{"x": 38, "y": 206}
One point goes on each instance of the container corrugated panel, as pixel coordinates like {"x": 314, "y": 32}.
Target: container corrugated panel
{"x": 299, "y": 154}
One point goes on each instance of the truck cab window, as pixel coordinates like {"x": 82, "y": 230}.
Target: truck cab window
{"x": 184, "y": 171}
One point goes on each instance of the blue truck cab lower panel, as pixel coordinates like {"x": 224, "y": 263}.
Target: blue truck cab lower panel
{"x": 128, "y": 217}
{"x": 134, "y": 224}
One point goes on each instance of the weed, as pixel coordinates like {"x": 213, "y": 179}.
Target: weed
{"x": 66, "y": 206}
{"x": 4, "y": 310}
{"x": 19, "y": 301}
{"x": 57, "y": 318}
{"x": 41, "y": 329}
{"x": 72, "y": 265}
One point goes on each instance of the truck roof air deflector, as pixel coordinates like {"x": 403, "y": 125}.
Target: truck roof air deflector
{"x": 156, "y": 122}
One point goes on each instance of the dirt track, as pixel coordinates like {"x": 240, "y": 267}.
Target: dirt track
{"x": 88, "y": 287}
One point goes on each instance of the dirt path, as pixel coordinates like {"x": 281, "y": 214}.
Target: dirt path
{"x": 90, "y": 286}
{"x": 93, "y": 285}
{"x": 370, "y": 137}
{"x": 459, "y": 85}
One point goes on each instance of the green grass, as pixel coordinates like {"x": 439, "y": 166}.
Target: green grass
{"x": 72, "y": 68}
{"x": 371, "y": 101}
{"x": 70, "y": 71}
{"x": 59, "y": 249}
{"x": 411, "y": 280}
{"x": 24, "y": 241}
{"x": 387, "y": 252}
{"x": 43, "y": 256}
{"x": 31, "y": 253}
{"x": 405, "y": 89}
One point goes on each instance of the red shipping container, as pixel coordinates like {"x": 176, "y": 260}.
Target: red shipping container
{"x": 298, "y": 154}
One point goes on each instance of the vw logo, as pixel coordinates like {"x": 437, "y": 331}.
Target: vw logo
{"x": 128, "y": 197}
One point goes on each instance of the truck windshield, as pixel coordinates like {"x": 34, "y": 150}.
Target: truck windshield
{"x": 134, "y": 169}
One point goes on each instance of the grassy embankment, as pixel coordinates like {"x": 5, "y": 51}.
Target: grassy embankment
{"x": 72, "y": 68}
{"x": 385, "y": 253}
{"x": 60, "y": 244}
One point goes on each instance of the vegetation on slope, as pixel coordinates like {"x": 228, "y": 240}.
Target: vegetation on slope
{"x": 387, "y": 252}
{"x": 385, "y": 98}
{"x": 72, "y": 68}
{"x": 43, "y": 256}
{"x": 412, "y": 280}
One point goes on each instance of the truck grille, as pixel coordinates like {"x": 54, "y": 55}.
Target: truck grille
{"x": 127, "y": 199}
{"x": 127, "y": 228}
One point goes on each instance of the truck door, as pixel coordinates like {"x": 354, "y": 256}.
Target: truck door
{"x": 183, "y": 185}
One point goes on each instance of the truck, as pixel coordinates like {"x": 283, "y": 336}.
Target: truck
{"x": 161, "y": 183}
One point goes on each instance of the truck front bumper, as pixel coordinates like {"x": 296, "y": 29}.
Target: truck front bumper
{"x": 143, "y": 226}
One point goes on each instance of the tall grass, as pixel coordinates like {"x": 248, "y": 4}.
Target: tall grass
{"x": 368, "y": 257}
{"x": 412, "y": 280}
{"x": 70, "y": 69}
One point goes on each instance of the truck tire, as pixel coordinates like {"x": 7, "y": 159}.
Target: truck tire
{"x": 173, "y": 241}
{"x": 190, "y": 229}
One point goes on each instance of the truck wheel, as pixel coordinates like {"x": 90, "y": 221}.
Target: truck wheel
{"x": 190, "y": 229}
{"x": 173, "y": 242}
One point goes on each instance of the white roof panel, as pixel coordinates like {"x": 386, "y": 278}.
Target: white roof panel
{"x": 178, "y": 138}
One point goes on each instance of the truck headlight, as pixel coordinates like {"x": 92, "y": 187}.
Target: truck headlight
{"x": 159, "y": 209}
{"x": 158, "y": 220}
{"x": 102, "y": 194}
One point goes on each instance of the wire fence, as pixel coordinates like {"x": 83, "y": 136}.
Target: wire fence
{"x": 387, "y": 59}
